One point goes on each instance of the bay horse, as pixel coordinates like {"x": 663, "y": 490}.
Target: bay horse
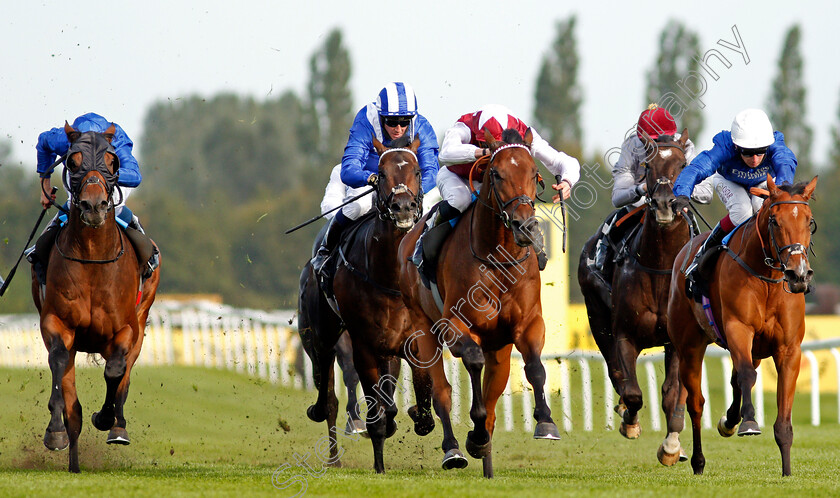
{"x": 757, "y": 303}
{"x": 625, "y": 323}
{"x": 94, "y": 299}
{"x": 489, "y": 286}
{"x": 372, "y": 311}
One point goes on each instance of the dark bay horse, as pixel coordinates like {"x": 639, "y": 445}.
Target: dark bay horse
{"x": 635, "y": 318}
{"x": 94, "y": 300}
{"x": 367, "y": 296}
{"x": 757, "y": 302}
{"x": 489, "y": 283}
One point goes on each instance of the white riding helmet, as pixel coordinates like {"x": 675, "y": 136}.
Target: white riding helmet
{"x": 751, "y": 129}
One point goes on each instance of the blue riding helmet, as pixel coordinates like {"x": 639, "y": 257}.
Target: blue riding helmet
{"x": 397, "y": 99}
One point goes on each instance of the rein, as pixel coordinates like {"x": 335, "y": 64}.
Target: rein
{"x": 93, "y": 261}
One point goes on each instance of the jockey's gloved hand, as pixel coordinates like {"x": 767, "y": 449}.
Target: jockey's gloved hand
{"x": 681, "y": 203}
{"x": 373, "y": 179}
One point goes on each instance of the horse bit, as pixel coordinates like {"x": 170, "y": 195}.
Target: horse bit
{"x": 384, "y": 206}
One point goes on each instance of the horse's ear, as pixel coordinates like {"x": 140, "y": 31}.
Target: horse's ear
{"x": 378, "y": 146}
{"x": 683, "y": 137}
{"x": 809, "y": 189}
{"x": 771, "y": 186}
{"x": 110, "y": 132}
{"x": 72, "y": 133}
{"x": 415, "y": 144}
{"x": 529, "y": 137}
{"x": 488, "y": 137}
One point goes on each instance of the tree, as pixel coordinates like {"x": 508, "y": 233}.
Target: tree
{"x": 330, "y": 103}
{"x": 558, "y": 94}
{"x": 669, "y": 82}
{"x": 825, "y": 208}
{"x": 786, "y": 105}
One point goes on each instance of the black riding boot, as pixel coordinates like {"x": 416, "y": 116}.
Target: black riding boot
{"x": 694, "y": 285}
{"x": 329, "y": 243}
{"x": 39, "y": 254}
{"x": 147, "y": 253}
{"x": 429, "y": 244}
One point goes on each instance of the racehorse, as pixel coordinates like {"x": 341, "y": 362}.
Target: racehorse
{"x": 756, "y": 306}
{"x": 635, "y": 318}
{"x": 365, "y": 289}
{"x": 94, "y": 299}
{"x": 489, "y": 287}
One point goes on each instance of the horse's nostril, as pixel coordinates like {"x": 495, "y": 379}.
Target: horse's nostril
{"x": 85, "y": 205}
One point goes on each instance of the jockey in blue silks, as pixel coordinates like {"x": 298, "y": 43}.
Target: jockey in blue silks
{"x": 54, "y": 143}
{"x": 740, "y": 159}
{"x": 389, "y": 118}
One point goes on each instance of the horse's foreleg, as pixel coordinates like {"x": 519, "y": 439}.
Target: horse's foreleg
{"x": 115, "y": 369}
{"x": 787, "y": 364}
{"x": 729, "y": 421}
{"x": 673, "y": 404}
{"x": 631, "y": 394}
{"x": 389, "y": 369}
{"x": 478, "y": 439}
{"x": 366, "y": 366}
{"x": 530, "y": 345}
{"x": 691, "y": 367}
{"x": 72, "y": 412}
{"x": 55, "y": 437}
{"x": 740, "y": 347}
{"x": 344, "y": 355}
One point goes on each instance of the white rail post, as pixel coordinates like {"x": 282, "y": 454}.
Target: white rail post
{"x": 507, "y": 403}
{"x": 653, "y": 396}
{"x": 566, "y": 395}
{"x": 815, "y": 387}
{"x": 726, "y": 363}
{"x": 586, "y": 391}
{"x": 759, "y": 397}
{"x": 609, "y": 422}
{"x": 218, "y": 342}
{"x": 451, "y": 364}
{"x": 704, "y": 388}
{"x": 527, "y": 408}
{"x": 187, "y": 334}
{"x": 836, "y": 354}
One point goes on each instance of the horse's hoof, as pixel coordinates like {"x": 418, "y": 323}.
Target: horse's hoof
{"x": 118, "y": 435}
{"x": 56, "y": 440}
{"x": 723, "y": 430}
{"x": 423, "y": 424}
{"x": 102, "y": 425}
{"x": 390, "y": 428}
{"x": 749, "y": 428}
{"x": 630, "y": 431}
{"x": 546, "y": 430}
{"x": 336, "y": 464}
{"x": 454, "y": 459}
{"x": 683, "y": 455}
{"x": 477, "y": 450}
{"x": 356, "y": 427}
{"x": 315, "y": 415}
{"x": 667, "y": 459}
{"x": 620, "y": 409}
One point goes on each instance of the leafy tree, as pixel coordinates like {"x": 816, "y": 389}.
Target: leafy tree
{"x": 668, "y": 81}
{"x": 558, "y": 94}
{"x": 825, "y": 208}
{"x": 786, "y": 104}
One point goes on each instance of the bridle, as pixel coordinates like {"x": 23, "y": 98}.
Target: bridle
{"x": 662, "y": 180}
{"x": 502, "y": 213}
{"x": 383, "y": 201}
{"x": 792, "y": 249}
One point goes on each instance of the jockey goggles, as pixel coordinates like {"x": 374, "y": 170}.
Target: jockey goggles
{"x": 394, "y": 121}
{"x": 752, "y": 152}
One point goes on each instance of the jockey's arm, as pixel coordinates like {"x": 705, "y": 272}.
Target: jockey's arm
{"x": 427, "y": 154}
{"x": 129, "y": 169}
{"x": 456, "y": 147}
{"x": 783, "y": 160}
{"x": 558, "y": 163}
{"x": 625, "y": 189}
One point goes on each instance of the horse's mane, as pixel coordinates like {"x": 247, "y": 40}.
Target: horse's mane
{"x": 511, "y": 136}
{"x": 403, "y": 141}
{"x": 795, "y": 189}
{"x": 663, "y": 139}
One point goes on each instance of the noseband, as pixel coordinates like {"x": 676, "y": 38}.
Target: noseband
{"x": 502, "y": 214}
{"x": 792, "y": 249}
{"x": 662, "y": 180}
{"x": 383, "y": 203}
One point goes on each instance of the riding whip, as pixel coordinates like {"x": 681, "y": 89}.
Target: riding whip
{"x": 5, "y": 283}
{"x": 562, "y": 212}
{"x": 330, "y": 211}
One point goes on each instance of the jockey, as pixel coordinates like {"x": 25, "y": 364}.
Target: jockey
{"x": 54, "y": 143}
{"x": 390, "y": 117}
{"x": 629, "y": 186}
{"x": 740, "y": 159}
{"x": 462, "y": 145}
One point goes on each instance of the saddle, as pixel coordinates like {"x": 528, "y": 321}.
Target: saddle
{"x": 345, "y": 242}
{"x": 431, "y": 241}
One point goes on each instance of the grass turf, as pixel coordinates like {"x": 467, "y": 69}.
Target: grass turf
{"x": 215, "y": 433}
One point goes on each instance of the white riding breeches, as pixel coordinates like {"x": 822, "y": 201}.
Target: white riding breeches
{"x": 454, "y": 189}
{"x": 737, "y": 198}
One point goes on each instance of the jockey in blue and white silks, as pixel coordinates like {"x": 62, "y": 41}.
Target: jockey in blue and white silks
{"x": 392, "y": 116}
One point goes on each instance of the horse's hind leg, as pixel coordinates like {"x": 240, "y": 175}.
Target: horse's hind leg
{"x": 344, "y": 355}
{"x": 55, "y": 437}
{"x": 729, "y": 421}
{"x": 72, "y": 412}
{"x": 740, "y": 347}
{"x": 115, "y": 373}
{"x": 787, "y": 364}
{"x": 366, "y": 366}
{"x": 478, "y": 439}
{"x": 118, "y": 433}
{"x": 673, "y": 404}
{"x": 496, "y": 376}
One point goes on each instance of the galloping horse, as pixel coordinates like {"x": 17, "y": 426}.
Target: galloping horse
{"x": 489, "y": 285}
{"x": 94, "y": 300}
{"x": 635, "y": 318}
{"x": 371, "y": 307}
{"x": 757, "y": 309}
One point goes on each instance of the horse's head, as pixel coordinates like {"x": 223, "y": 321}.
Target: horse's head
{"x": 399, "y": 190}
{"x": 93, "y": 165}
{"x": 665, "y": 158}
{"x": 511, "y": 181}
{"x": 787, "y": 216}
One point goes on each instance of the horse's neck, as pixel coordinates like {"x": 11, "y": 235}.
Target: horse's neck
{"x": 81, "y": 241}
{"x": 382, "y": 248}
{"x": 748, "y": 246}
{"x": 657, "y": 246}
{"x": 488, "y": 232}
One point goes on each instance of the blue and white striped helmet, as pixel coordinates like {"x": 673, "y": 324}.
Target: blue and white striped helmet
{"x": 397, "y": 99}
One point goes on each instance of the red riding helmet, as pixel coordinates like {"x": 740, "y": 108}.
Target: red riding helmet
{"x": 656, "y": 121}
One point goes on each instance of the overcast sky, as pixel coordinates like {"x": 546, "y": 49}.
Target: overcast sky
{"x": 61, "y": 59}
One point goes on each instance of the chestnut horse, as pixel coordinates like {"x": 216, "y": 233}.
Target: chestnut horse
{"x": 635, "y": 318}
{"x": 489, "y": 283}
{"x": 372, "y": 311}
{"x": 94, "y": 300}
{"x": 757, "y": 301}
